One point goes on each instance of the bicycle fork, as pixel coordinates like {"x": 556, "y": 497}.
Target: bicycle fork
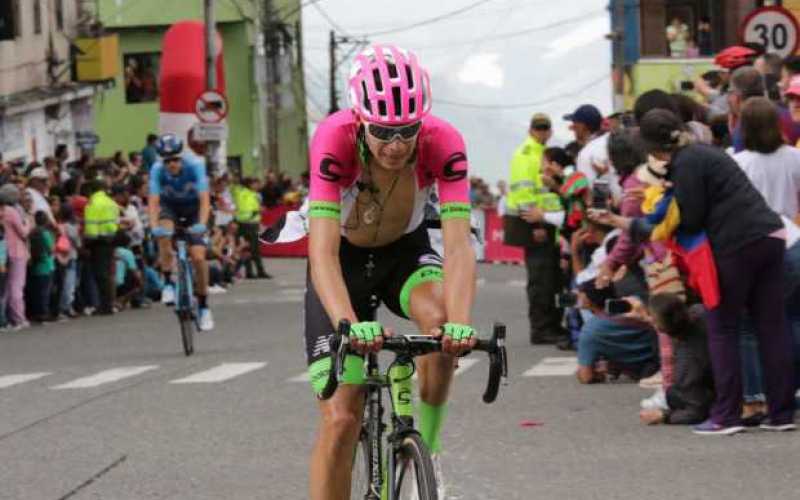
{"x": 401, "y": 384}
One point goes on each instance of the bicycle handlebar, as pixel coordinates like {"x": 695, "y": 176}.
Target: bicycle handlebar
{"x": 418, "y": 345}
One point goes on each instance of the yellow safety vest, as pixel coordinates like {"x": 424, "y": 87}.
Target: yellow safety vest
{"x": 525, "y": 185}
{"x": 101, "y": 216}
{"x": 248, "y": 206}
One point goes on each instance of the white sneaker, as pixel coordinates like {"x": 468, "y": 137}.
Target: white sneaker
{"x": 20, "y": 326}
{"x": 168, "y": 295}
{"x": 653, "y": 382}
{"x": 658, "y": 401}
{"x": 216, "y": 289}
{"x": 206, "y": 320}
{"x": 441, "y": 488}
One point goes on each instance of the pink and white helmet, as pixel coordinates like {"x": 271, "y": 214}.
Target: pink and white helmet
{"x": 389, "y": 87}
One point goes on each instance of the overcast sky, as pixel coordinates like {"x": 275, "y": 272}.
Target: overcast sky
{"x": 559, "y": 61}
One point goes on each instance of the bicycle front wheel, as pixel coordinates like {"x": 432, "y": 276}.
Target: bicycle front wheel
{"x": 187, "y": 333}
{"x": 414, "y": 477}
{"x": 361, "y": 487}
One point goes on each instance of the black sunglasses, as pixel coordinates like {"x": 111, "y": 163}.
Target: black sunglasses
{"x": 171, "y": 159}
{"x": 387, "y": 134}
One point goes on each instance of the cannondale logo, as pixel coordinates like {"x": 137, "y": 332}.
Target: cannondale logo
{"x": 450, "y": 173}
{"x": 325, "y": 171}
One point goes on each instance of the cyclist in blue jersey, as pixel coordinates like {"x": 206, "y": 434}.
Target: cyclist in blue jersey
{"x": 179, "y": 195}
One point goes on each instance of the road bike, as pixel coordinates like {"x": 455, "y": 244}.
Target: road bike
{"x": 402, "y": 467}
{"x": 185, "y": 301}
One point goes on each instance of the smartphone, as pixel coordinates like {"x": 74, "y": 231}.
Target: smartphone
{"x": 601, "y": 194}
{"x": 687, "y": 86}
{"x": 566, "y": 300}
{"x": 618, "y": 306}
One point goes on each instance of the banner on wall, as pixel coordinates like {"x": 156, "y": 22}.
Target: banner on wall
{"x": 489, "y": 248}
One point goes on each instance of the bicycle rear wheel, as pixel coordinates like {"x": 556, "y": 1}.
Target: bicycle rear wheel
{"x": 414, "y": 477}
{"x": 361, "y": 487}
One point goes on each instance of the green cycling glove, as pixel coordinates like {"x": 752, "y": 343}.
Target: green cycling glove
{"x": 458, "y": 332}
{"x": 366, "y": 331}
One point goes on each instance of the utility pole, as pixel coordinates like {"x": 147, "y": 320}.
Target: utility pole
{"x": 618, "y": 57}
{"x": 332, "y": 45}
{"x": 271, "y": 30}
{"x": 212, "y": 147}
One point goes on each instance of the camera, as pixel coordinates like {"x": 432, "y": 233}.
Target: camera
{"x": 566, "y": 300}
{"x": 618, "y": 306}
{"x": 601, "y": 193}
{"x": 687, "y": 86}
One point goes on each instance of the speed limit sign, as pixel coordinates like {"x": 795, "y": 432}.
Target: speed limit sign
{"x": 773, "y": 27}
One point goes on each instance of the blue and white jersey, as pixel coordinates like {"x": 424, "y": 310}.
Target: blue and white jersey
{"x": 181, "y": 190}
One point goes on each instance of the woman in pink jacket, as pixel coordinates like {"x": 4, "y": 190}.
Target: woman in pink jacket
{"x": 17, "y": 227}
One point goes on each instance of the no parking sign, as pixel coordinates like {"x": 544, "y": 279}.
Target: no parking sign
{"x": 211, "y": 107}
{"x": 773, "y": 27}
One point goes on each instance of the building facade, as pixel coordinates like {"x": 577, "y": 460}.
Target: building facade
{"x": 648, "y": 58}
{"x": 41, "y": 104}
{"x": 126, "y": 114}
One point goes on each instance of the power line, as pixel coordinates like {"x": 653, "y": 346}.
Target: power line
{"x": 542, "y": 102}
{"x": 330, "y": 20}
{"x": 427, "y": 21}
{"x": 297, "y": 9}
{"x": 513, "y": 34}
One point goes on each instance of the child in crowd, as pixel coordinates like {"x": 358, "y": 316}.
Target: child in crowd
{"x": 561, "y": 176}
{"x": 42, "y": 267}
{"x": 127, "y": 278}
{"x": 67, "y": 246}
{"x": 689, "y": 398}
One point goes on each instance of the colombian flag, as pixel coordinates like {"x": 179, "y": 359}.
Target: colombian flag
{"x": 692, "y": 251}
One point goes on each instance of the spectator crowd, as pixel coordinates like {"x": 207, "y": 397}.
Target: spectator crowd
{"x": 662, "y": 245}
{"x": 64, "y": 254}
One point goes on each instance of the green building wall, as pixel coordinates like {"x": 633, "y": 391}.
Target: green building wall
{"x": 141, "y": 27}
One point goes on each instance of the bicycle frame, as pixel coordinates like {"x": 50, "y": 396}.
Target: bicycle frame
{"x": 184, "y": 292}
{"x": 398, "y": 381}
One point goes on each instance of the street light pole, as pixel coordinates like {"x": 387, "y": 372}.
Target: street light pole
{"x": 212, "y": 147}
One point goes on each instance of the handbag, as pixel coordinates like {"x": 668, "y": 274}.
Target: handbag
{"x": 63, "y": 245}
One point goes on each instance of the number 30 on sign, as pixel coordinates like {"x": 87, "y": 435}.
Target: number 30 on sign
{"x": 773, "y": 27}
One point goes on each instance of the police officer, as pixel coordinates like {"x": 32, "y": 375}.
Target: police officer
{"x": 533, "y": 215}
{"x": 101, "y": 223}
{"x": 248, "y": 216}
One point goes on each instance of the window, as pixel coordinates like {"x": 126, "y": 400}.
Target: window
{"x": 141, "y": 77}
{"x": 37, "y": 17}
{"x": 60, "y": 15}
{"x": 689, "y": 28}
{"x": 9, "y": 20}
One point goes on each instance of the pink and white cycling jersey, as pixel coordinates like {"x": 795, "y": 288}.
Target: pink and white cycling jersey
{"x": 441, "y": 160}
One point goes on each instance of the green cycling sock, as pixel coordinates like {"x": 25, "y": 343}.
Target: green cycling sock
{"x": 431, "y": 419}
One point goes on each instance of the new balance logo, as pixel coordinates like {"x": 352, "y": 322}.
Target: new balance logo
{"x": 322, "y": 346}
{"x": 430, "y": 259}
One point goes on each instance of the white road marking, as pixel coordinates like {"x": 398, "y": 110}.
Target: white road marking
{"x": 221, "y": 373}
{"x": 303, "y": 377}
{"x": 517, "y": 283}
{"x": 463, "y": 365}
{"x": 553, "y": 367}
{"x": 480, "y": 282}
{"x": 287, "y": 299}
{"x": 106, "y": 377}
{"x": 20, "y": 378}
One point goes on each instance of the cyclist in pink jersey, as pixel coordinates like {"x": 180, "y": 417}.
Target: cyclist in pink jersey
{"x": 373, "y": 167}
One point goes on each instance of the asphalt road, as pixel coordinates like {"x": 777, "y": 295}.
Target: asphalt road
{"x": 109, "y": 408}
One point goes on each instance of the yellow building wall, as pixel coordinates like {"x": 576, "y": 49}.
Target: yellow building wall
{"x": 664, "y": 74}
